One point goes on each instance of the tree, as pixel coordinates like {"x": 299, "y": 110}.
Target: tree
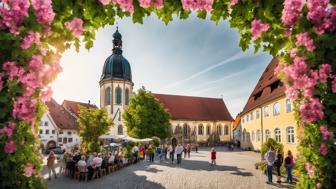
{"x": 93, "y": 123}
{"x": 146, "y": 117}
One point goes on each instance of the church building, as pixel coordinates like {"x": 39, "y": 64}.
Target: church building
{"x": 194, "y": 119}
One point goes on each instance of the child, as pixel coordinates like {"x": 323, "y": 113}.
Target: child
{"x": 213, "y": 156}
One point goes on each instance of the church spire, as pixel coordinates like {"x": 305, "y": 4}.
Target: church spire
{"x": 117, "y": 42}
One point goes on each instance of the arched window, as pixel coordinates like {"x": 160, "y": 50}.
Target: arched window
{"x": 277, "y": 134}
{"x": 178, "y": 130}
{"x": 120, "y": 130}
{"x": 118, "y": 95}
{"x": 258, "y": 135}
{"x": 126, "y": 96}
{"x": 251, "y": 116}
{"x": 186, "y": 130}
{"x": 253, "y": 136}
{"x": 266, "y": 113}
{"x": 200, "y": 129}
{"x": 267, "y": 134}
{"x": 288, "y": 106}
{"x": 290, "y": 135}
{"x": 276, "y": 109}
{"x": 219, "y": 129}
{"x": 226, "y": 130}
{"x": 107, "y": 96}
{"x": 208, "y": 130}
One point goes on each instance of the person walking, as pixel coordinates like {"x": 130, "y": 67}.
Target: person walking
{"x": 289, "y": 164}
{"x": 51, "y": 164}
{"x": 159, "y": 153}
{"x": 179, "y": 150}
{"x": 185, "y": 151}
{"x": 171, "y": 153}
{"x": 188, "y": 150}
{"x": 151, "y": 153}
{"x": 278, "y": 163}
{"x": 213, "y": 156}
{"x": 270, "y": 158}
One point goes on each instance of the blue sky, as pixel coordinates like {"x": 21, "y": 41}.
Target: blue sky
{"x": 188, "y": 57}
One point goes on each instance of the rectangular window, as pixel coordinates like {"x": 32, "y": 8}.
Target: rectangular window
{"x": 208, "y": 130}
{"x": 290, "y": 135}
{"x": 41, "y": 131}
{"x": 69, "y": 139}
{"x": 47, "y": 131}
{"x": 276, "y": 109}
{"x": 266, "y": 113}
{"x": 69, "y": 132}
{"x": 65, "y": 140}
{"x": 257, "y": 114}
{"x": 247, "y": 117}
{"x": 59, "y": 139}
{"x": 61, "y": 132}
{"x": 46, "y": 123}
{"x": 251, "y": 115}
{"x": 288, "y": 106}
{"x": 53, "y": 131}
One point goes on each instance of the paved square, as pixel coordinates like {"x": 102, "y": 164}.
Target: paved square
{"x": 234, "y": 170}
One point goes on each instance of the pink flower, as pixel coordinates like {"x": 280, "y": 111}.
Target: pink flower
{"x": 125, "y": 5}
{"x": 29, "y": 39}
{"x": 10, "y": 146}
{"x": 305, "y": 40}
{"x": 13, "y": 70}
{"x": 291, "y": 12}
{"x": 324, "y": 72}
{"x": 35, "y": 63}
{"x": 145, "y": 3}
{"x": 291, "y": 93}
{"x": 234, "y": 2}
{"x": 293, "y": 53}
{"x": 324, "y": 149}
{"x": 8, "y": 130}
{"x": 257, "y": 27}
{"x": 24, "y": 108}
{"x": 318, "y": 185}
{"x": 310, "y": 170}
{"x": 322, "y": 14}
{"x": 76, "y": 26}
{"x": 46, "y": 94}
{"x": 28, "y": 170}
{"x": 197, "y": 5}
{"x": 325, "y": 133}
{"x": 104, "y": 2}
{"x": 43, "y": 11}
{"x": 311, "y": 111}
{"x": 12, "y": 14}
{"x": 333, "y": 87}
{"x": 158, "y": 4}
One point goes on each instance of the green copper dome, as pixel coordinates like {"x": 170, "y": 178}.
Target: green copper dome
{"x": 116, "y": 66}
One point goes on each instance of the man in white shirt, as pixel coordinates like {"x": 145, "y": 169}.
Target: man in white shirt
{"x": 178, "y": 151}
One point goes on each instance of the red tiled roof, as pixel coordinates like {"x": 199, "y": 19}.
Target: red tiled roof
{"x": 236, "y": 122}
{"x": 62, "y": 118}
{"x": 73, "y": 106}
{"x": 268, "y": 87}
{"x": 195, "y": 108}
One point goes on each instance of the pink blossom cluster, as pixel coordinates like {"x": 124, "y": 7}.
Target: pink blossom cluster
{"x": 29, "y": 170}
{"x": 311, "y": 111}
{"x": 12, "y": 70}
{"x": 323, "y": 15}
{"x": 325, "y": 73}
{"x": 29, "y": 39}
{"x": 125, "y": 5}
{"x": 197, "y": 5}
{"x": 12, "y": 13}
{"x": 43, "y": 11}
{"x": 324, "y": 149}
{"x": 24, "y": 108}
{"x": 325, "y": 133}
{"x": 291, "y": 12}
{"x": 305, "y": 40}
{"x": 310, "y": 170}
{"x": 104, "y": 2}
{"x": 8, "y": 130}
{"x": 158, "y": 4}
{"x": 76, "y": 26}
{"x": 234, "y": 2}
{"x": 257, "y": 27}
{"x": 10, "y": 146}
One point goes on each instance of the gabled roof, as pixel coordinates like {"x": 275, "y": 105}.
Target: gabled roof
{"x": 268, "y": 88}
{"x": 236, "y": 122}
{"x": 195, "y": 108}
{"x": 73, "y": 106}
{"x": 62, "y": 118}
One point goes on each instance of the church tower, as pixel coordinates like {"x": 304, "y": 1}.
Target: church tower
{"x": 116, "y": 85}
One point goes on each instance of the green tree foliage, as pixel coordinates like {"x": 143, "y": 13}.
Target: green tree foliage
{"x": 93, "y": 123}
{"x": 271, "y": 143}
{"x": 146, "y": 117}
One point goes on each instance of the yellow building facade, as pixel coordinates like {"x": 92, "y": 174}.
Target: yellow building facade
{"x": 269, "y": 114}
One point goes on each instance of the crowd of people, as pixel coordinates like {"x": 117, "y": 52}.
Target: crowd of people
{"x": 274, "y": 158}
